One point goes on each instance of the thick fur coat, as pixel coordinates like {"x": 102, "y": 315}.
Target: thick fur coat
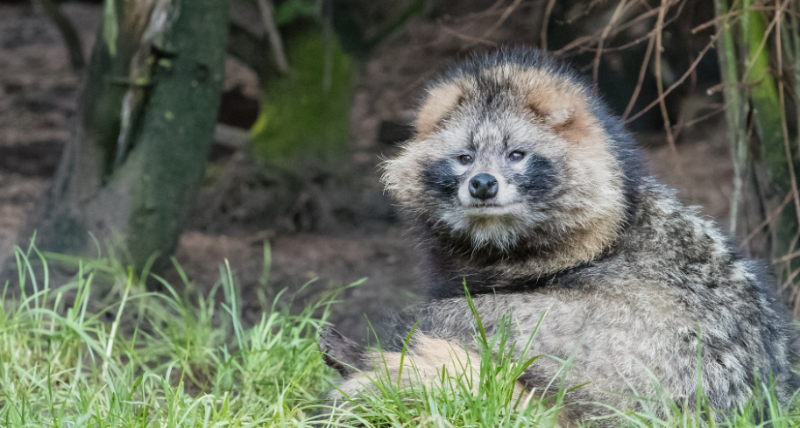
{"x": 632, "y": 285}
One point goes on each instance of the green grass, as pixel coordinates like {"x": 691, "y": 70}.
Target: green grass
{"x": 67, "y": 359}
{"x": 100, "y": 351}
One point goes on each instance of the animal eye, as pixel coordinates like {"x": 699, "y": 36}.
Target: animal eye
{"x": 516, "y": 156}
{"x": 465, "y": 159}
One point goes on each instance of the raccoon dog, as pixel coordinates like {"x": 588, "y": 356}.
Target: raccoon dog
{"x": 522, "y": 183}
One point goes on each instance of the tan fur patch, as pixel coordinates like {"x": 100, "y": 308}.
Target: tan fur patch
{"x": 440, "y": 102}
{"x": 431, "y": 362}
{"x": 557, "y": 102}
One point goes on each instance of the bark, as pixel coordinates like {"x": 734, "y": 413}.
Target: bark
{"x": 139, "y": 147}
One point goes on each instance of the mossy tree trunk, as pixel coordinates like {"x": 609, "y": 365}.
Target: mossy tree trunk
{"x": 138, "y": 151}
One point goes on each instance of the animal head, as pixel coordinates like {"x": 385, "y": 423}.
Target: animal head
{"x": 514, "y": 151}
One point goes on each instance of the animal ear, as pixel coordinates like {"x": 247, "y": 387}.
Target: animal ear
{"x": 438, "y": 106}
{"x": 566, "y": 112}
{"x": 558, "y": 113}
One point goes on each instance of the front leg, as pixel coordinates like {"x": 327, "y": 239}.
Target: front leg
{"x": 340, "y": 353}
{"x": 428, "y": 361}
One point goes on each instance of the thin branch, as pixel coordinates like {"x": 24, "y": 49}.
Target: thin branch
{"x": 466, "y": 37}
{"x": 786, "y": 258}
{"x": 723, "y": 17}
{"x": 592, "y": 37}
{"x": 660, "y": 83}
{"x": 642, "y": 73}
{"x": 231, "y": 137}
{"x": 792, "y": 246}
{"x": 547, "y": 12}
{"x": 606, "y": 30}
{"x": 648, "y": 36}
{"x": 678, "y": 82}
{"x": 764, "y": 40}
{"x": 769, "y": 220}
{"x": 788, "y": 282}
{"x": 273, "y": 35}
{"x": 68, "y": 32}
{"x": 584, "y": 43}
{"x": 680, "y": 126}
{"x": 506, "y": 13}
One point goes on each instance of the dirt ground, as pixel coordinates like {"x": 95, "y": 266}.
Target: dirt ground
{"x": 330, "y": 221}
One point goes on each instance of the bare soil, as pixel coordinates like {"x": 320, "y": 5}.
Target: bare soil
{"x": 327, "y": 219}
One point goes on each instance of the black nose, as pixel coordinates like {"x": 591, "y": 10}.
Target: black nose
{"x": 483, "y": 186}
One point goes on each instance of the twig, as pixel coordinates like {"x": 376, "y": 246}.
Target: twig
{"x": 650, "y": 35}
{"x": 642, "y": 73}
{"x": 764, "y": 40}
{"x": 714, "y": 21}
{"x": 68, "y": 32}
{"x": 724, "y": 16}
{"x": 506, "y": 13}
{"x": 680, "y": 126}
{"x": 660, "y": 84}
{"x": 231, "y": 137}
{"x": 474, "y": 40}
{"x": 786, "y": 258}
{"x": 586, "y": 11}
{"x": 688, "y": 36}
{"x": 582, "y": 42}
{"x": 784, "y": 126}
{"x": 770, "y": 219}
{"x": 495, "y": 5}
{"x": 789, "y": 280}
{"x": 547, "y": 12}
{"x": 678, "y": 82}
{"x": 606, "y": 30}
{"x": 792, "y": 246}
{"x": 592, "y": 37}
{"x": 274, "y": 36}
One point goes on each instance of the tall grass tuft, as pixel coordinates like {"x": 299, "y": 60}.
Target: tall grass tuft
{"x": 69, "y": 358}
{"x": 150, "y": 359}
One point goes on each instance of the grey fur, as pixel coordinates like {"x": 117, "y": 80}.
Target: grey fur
{"x": 661, "y": 282}
{"x": 640, "y": 309}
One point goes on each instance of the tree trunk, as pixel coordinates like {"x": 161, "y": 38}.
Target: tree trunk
{"x": 139, "y": 147}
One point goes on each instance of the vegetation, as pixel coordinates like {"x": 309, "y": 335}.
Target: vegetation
{"x": 759, "y": 52}
{"x": 133, "y": 358}
{"x": 145, "y": 127}
{"x": 306, "y": 92}
{"x": 102, "y": 351}
{"x": 307, "y": 111}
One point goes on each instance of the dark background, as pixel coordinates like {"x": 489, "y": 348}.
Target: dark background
{"x": 311, "y": 190}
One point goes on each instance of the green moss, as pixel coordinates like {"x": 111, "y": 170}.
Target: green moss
{"x": 299, "y": 114}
